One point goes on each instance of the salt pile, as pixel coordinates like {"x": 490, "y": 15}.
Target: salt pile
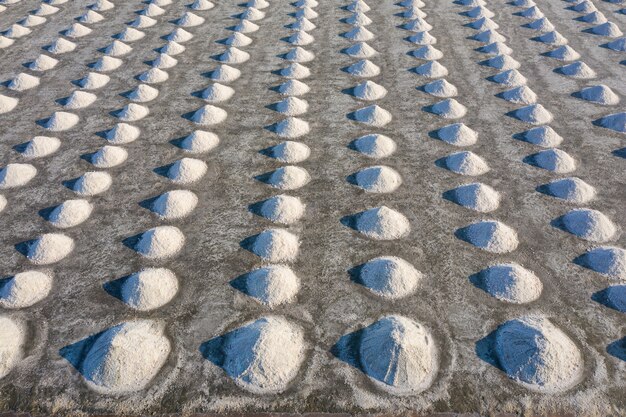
{"x": 390, "y": 277}
{"x": 179, "y": 35}
{"x": 152, "y": 10}
{"x": 113, "y": 366}
{"x": 542, "y": 25}
{"x": 615, "y": 122}
{"x": 511, "y": 283}
{"x": 291, "y": 106}
{"x": 209, "y": 115}
{"x": 617, "y": 45}
{"x": 92, "y": 183}
{"x": 132, "y": 112}
{"x": 23, "y": 82}
{"x": 413, "y": 13}
{"x": 252, "y": 14}
{"x": 291, "y": 128}
{"x": 143, "y": 93}
{"x": 372, "y": 115}
{"x": 290, "y": 152}
{"x": 234, "y": 56}
{"x": 489, "y": 36}
{"x": 382, "y": 223}
{"x": 375, "y": 146}
{"x": 272, "y": 285}
{"x": 5, "y": 42}
{"x": 107, "y": 63}
{"x": 16, "y": 175}
{"x": 70, "y": 213}
{"x": 358, "y": 6}
{"x": 288, "y": 178}
{"x": 563, "y": 53}
{"x": 17, "y": 31}
{"x": 399, "y": 354}
{"x": 466, "y": 163}
{"x": 40, "y": 146}
{"x": 225, "y": 74}
{"x": 237, "y": 39}
{"x": 160, "y": 242}
{"x": 584, "y": 6}
{"x": 358, "y": 19}
{"x": 476, "y": 196}
{"x": 41, "y": 63}
{"x": 479, "y": 11}
{"x": 91, "y": 17}
{"x": 199, "y": 142}
{"x": 49, "y": 248}
{"x": 487, "y": 27}
{"x": 122, "y": 133}
{"x": 93, "y": 81}
{"x": 359, "y": 33}
{"x": 302, "y": 23}
{"x": 117, "y": 48}
{"x": 457, "y": 134}
{"x": 172, "y": 48}
{"x": 12, "y": 339}
{"x": 571, "y": 189}
{"x": 543, "y": 136}
{"x": 501, "y": 62}
{"x": 594, "y": 18}
{"x": 276, "y": 245}
{"x": 616, "y": 297}
{"x": 142, "y": 22}
{"x": 427, "y": 52}
{"x": 491, "y": 236}
{"x": 534, "y": 114}
{"x": 589, "y": 224}
{"x": 533, "y": 12}
{"x": 378, "y": 179}
{"x": 363, "y": 69}
{"x": 46, "y": 10}
{"x": 422, "y": 38}
{"x": 263, "y": 356}
{"x": 577, "y": 70}
{"x": 551, "y": 38}
{"x": 449, "y": 108}
{"x": 186, "y": 171}
{"x": 296, "y": 71}
{"x": 519, "y": 95}
{"x": 246, "y": 26}
{"x": 3, "y": 203}
{"x": 7, "y": 103}
{"x": 495, "y": 48}
{"x": 79, "y": 100}
{"x": 607, "y": 260}
{"x": 360, "y": 50}
{"x": 299, "y": 54}
{"x": 532, "y": 351}
{"x": 108, "y": 157}
{"x": 608, "y": 29}
{"x": 369, "y": 90}
{"x": 293, "y": 88}
{"x": 77, "y": 31}
{"x": 554, "y": 160}
{"x": 417, "y": 25}
{"x": 164, "y": 61}
{"x": 25, "y": 289}
{"x": 61, "y": 46}
{"x": 102, "y": 6}
{"x": 174, "y": 204}
{"x": 307, "y": 12}
{"x": 153, "y": 76}
{"x": 600, "y": 94}
{"x": 149, "y": 289}
{"x": 263, "y": 4}
{"x": 282, "y": 209}
{"x": 431, "y": 69}
{"x": 201, "y": 5}
{"x": 301, "y": 38}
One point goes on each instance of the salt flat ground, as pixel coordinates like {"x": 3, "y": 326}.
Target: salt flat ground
{"x": 562, "y": 346}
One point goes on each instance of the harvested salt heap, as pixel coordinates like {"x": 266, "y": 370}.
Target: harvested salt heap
{"x": 609, "y": 29}
{"x": 209, "y": 115}
{"x": 509, "y": 78}
{"x": 90, "y": 17}
{"x": 225, "y": 74}
{"x": 25, "y": 289}
{"x": 511, "y": 283}
{"x": 413, "y": 13}
{"x": 359, "y": 33}
{"x": 501, "y": 62}
{"x": 164, "y": 61}
{"x": 42, "y": 63}
{"x": 543, "y": 136}
{"x": 7, "y": 103}
{"x": 535, "y": 353}
{"x": 233, "y": 56}
{"x": 17, "y": 31}
{"x": 466, "y": 163}
{"x": 179, "y": 35}
{"x": 300, "y": 38}
{"x": 564, "y": 53}
{"x": 554, "y": 160}
{"x": 449, "y": 108}
{"x": 584, "y": 6}
{"x": 358, "y": 19}
{"x": 130, "y": 35}
{"x": 534, "y": 114}
{"x": 246, "y": 26}
{"x": 153, "y": 76}
{"x": 519, "y": 95}
{"x": 551, "y": 38}
{"x": 77, "y": 31}
{"x": 422, "y": 38}
{"x": 363, "y": 69}
{"x": 201, "y": 5}
{"x": 417, "y": 25}
{"x": 40, "y": 146}
{"x": 174, "y": 204}
{"x": 160, "y": 242}
{"x": 600, "y": 94}
{"x": 607, "y": 260}
{"x": 490, "y": 235}
{"x": 272, "y": 285}
{"x": 288, "y": 178}
{"x": 186, "y": 170}
{"x": 616, "y": 297}
{"x": 122, "y": 133}
{"x": 302, "y": 23}
{"x": 108, "y": 156}
{"x": 360, "y": 50}
{"x": 149, "y": 289}
{"x": 291, "y": 128}
{"x": 533, "y": 12}
{"x": 617, "y": 45}
{"x": 374, "y": 146}
{"x": 479, "y": 11}
{"x": 152, "y": 10}
{"x": 172, "y": 48}
{"x": 263, "y": 4}
{"x": 378, "y": 179}
{"x": 16, "y": 175}
{"x": 132, "y": 112}
{"x": 252, "y": 14}
{"x": 382, "y": 223}
{"x": 92, "y": 183}
{"x": 571, "y": 189}
{"x": 23, "y": 82}
{"x": 262, "y": 356}
{"x": 93, "y": 81}
{"x": 372, "y": 115}
{"x": 589, "y": 224}
{"x": 143, "y": 93}
{"x": 107, "y": 63}
{"x": 358, "y": 6}
{"x": 189, "y": 19}
{"x": 126, "y": 357}
{"x": 594, "y": 18}
{"x": 495, "y": 48}
{"x": 431, "y": 69}
{"x": 70, "y": 213}
{"x": 615, "y": 122}
{"x": 489, "y": 36}
{"x": 102, "y": 5}
{"x": 276, "y": 245}
{"x": 199, "y": 142}
{"x": 389, "y": 277}
{"x": 12, "y": 339}
{"x": 46, "y": 10}
{"x": 117, "y": 48}
{"x": 487, "y": 26}
{"x": 49, "y": 248}
{"x": 290, "y": 152}
{"x": 307, "y": 12}
{"x": 476, "y": 196}
{"x": 296, "y": 71}
{"x": 79, "y": 100}
{"x": 292, "y": 106}
{"x": 369, "y": 90}
{"x": 299, "y": 54}
{"x": 282, "y": 209}
{"x": 399, "y": 355}
{"x": 577, "y": 70}
{"x": 427, "y": 52}
{"x": 457, "y": 134}
{"x": 293, "y": 88}
{"x": 541, "y": 25}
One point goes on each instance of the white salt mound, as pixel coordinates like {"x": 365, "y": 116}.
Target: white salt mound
{"x": 492, "y": 236}
{"x": 172, "y": 48}
{"x": 477, "y": 196}
{"x": 263, "y": 356}
{"x": 359, "y": 33}
{"x": 489, "y": 35}
{"x": 272, "y": 285}
{"x": 225, "y": 74}
{"x": 302, "y": 23}
{"x": 289, "y": 178}
{"x": 16, "y": 175}
{"x": 479, "y": 11}
{"x": 422, "y": 38}
{"x": 372, "y": 115}
{"x": 109, "y": 157}
{"x": 93, "y": 81}
{"x": 276, "y": 246}
{"x": 552, "y": 38}
{"x": 186, "y": 171}
{"x": 160, "y": 242}
{"x": 501, "y": 62}
{"x": 520, "y": 95}
{"x": 201, "y": 5}
{"x": 510, "y": 78}
{"x": 282, "y": 209}
{"x": 179, "y": 35}
{"x": 577, "y": 70}
{"x": 417, "y": 25}
{"x": 41, "y": 146}
{"x": 142, "y": 22}
{"x": 299, "y": 55}
{"x": 92, "y": 183}
{"x": 143, "y": 93}
{"x": 369, "y": 90}
{"x": 358, "y": 19}
{"x": 607, "y": 260}
{"x": 209, "y": 115}
{"x": 152, "y": 10}
{"x": 608, "y": 29}
{"x": 174, "y": 204}
{"x": 390, "y": 277}
{"x": 292, "y": 106}
{"x": 117, "y": 48}
{"x": 564, "y": 53}
{"x": 541, "y": 25}
{"x": 132, "y": 112}
{"x": 538, "y": 355}
{"x": 17, "y": 31}
{"x": 571, "y": 189}
{"x": 102, "y": 6}
{"x": 534, "y": 114}
{"x": 49, "y": 248}
{"x": 43, "y": 63}
{"x": 246, "y": 26}
{"x": 457, "y": 134}
{"x": 615, "y": 122}
{"x": 292, "y": 128}
{"x": 584, "y": 6}
{"x": 153, "y": 76}
{"x": 383, "y": 223}
{"x": 91, "y": 16}
{"x": 252, "y": 14}
{"x": 616, "y": 296}
{"x": 233, "y": 56}
{"x": 70, "y": 213}
{"x": 217, "y": 93}
{"x": 466, "y": 163}
{"x": 107, "y": 63}
{"x": 79, "y": 100}
{"x": 427, "y": 52}
{"x": 23, "y": 82}
{"x": 7, "y": 103}
{"x": 600, "y": 94}
{"x": 363, "y": 69}
{"x": 375, "y": 146}
{"x": 431, "y": 69}
{"x": 122, "y": 133}
{"x": 12, "y": 339}
{"x": 164, "y": 61}
{"x": 589, "y": 224}
{"x": 149, "y": 289}
{"x": 360, "y": 50}
{"x": 440, "y": 88}
{"x": 200, "y": 142}
{"x": 496, "y": 48}
{"x": 293, "y": 88}
{"x": 511, "y": 283}
{"x": 290, "y": 152}
{"x": 594, "y": 18}
{"x": 617, "y": 45}
{"x": 126, "y": 357}
{"x": 543, "y": 136}
{"x": 296, "y": 71}
{"x": 449, "y": 108}
{"x": 238, "y": 39}
{"x": 554, "y": 160}
{"x": 485, "y": 24}
{"x": 378, "y": 179}
{"x": 46, "y": 10}
{"x": 399, "y": 354}
{"x": 25, "y": 289}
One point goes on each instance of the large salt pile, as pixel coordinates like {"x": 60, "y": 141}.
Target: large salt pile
{"x": 382, "y": 223}
{"x": 126, "y": 357}
{"x": 399, "y": 354}
{"x": 589, "y": 224}
{"x": 70, "y": 213}
{"x": 422, "y": 38}
{"x": 40, "y": 146}
{"x": 149, "y": 289}
{"x": 132, "y": 112}
{"x": 378, "y": 179}
{"x": 577, "y": 70}
{"x": 615, "y": 122}
{"x": 431, "y": 69}
{"x": 262, "y": 356}
{"x": 291, "y": 128}
{"x": 92, "y": 183}
{"x": 359, "y": 33}
{"x": 25, "y": 289}
{"x": 501, "y": 62}
{"x": 217, "y": 93}
{"x": 554, "y": 160}
{"x": 563, "y": 53}
{"x": 369, "y": 90}
{"x": 164, "y": 61}
{"x": 466, "y": 163}
{"x": 609, "y": 29}
{"x": 606, "y": 260}
{"x": 534, "y": 114}
{"x": 617, "y": 45}
{"x": 375, "y": 146}
{"x": 276, "y": 245}
{"x": 106, "y": 64}
{"x": 272, "y": 285}
{"x": 372, "y": 115}
{"x": 427, "y": 52}
{"x": 42, "y": 63}
{"x": 233, "y": 56}
{"x": 93, "y": 81}
{"x": 490, "y": 235}
{"x": 616, "y": 297}
{"x": 488, "y": 34}
{"x": 199, "y": 142}
{"x": 519, "y": 95}
{"x": 49, "y": 248}
{"x": 153, "y": 76}
{"x": 289, "y": 152}
{"x": 160, "y": 242}
{"x": 495, "y": 48}
{"x": 60, "y": 121}
{"x": 571, "y": 189}
{"x": 364, "y": 69}
{"x": 440, "y": 88}
{"x": 130, "y": 35}
{"x": 537, "y": 354}
{"x": 16, "y": 175}
{"x": 600, "y": 94}
{"x": 122, "y": 133}
{"x": 292, "y": 106}
{"x": 108, "y": 156}
{"x": 79, "y": 100}
{"x": 61, "y": 46}
{"x": 12, "y": 339}
{"x": 23, "y": 82}
{"x": 389, "y": 277}
{"x": 543, "y": 136}
{"x": 449, "y": 108}
{"x": 360, "y": 50}
{"x": 457, "y": 134}
{"x": 511, "y": 282}
{"x": 174, "y": 204}
{"x": 143, "y": 93}
{"x": 282, "y": 209}
{"x": 186, "y": 171}
{"x": 295, "y": 71}
{"x": 476, "y": 196}
{"x": 288, "y": 178}
{"x": 551, "y": 38}
{"x": 293, "y": 88}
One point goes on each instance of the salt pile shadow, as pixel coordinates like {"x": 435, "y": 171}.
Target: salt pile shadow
{"x": 485, "y": 348}
{"x": 618, "y": 349}
{"x": 114, "y": 287}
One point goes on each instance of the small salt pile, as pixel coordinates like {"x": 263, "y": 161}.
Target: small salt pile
{"x": 554, "y": 160}
{"x": 61, "y": 121}
{"x": 292, "y": 128}
{"x": 40, "y": 146}
{"x": 382, "y": 223}
{"x": 209, "y": 115}
{"x": 186, "y": 171}
{"x": 282, "y": 209}
{"x": 174, "y": 204}
{"x": 491, "y": 236}
{"x": 143, "y": 93}
{"x": 79, "y": 100}
{"x": 607, "y": 260}
{"x": 378, "y": 179}
{"x": 373, "y": 115}
{"x": 511, "y": 283}
{"x": 457, "y": 134}
{"x": 108, "y": 157}
{"x": 476, "y": 196}
{"x": 589, "y": 224}
{"x": 276, "y": 245}
{"x": 122, "y": 133}
{"x": 543, "y": 136}
{"x": 600, "y": 94}
{"x": 149, "y": 289}
{"x": 571, "y": 189}
{"x": 390, "y": 277}
{"x": 49, "y": 248}
{"x": 272, "y": 285}
{"x": 93, "y": 81}
{"x": 288, "y": 178}
{"x": 160, "y": 242}
{"x": 466, "y": 163}
{"x": 577, "y": 70}
{"x": 615, "y": 122}
{"x": 290, "y": 152}
{"x": 23, "y": 290}
{"x": 92, "y": 183}
{"x": 199, "y": 142}
{"x": 70, "y": 213}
